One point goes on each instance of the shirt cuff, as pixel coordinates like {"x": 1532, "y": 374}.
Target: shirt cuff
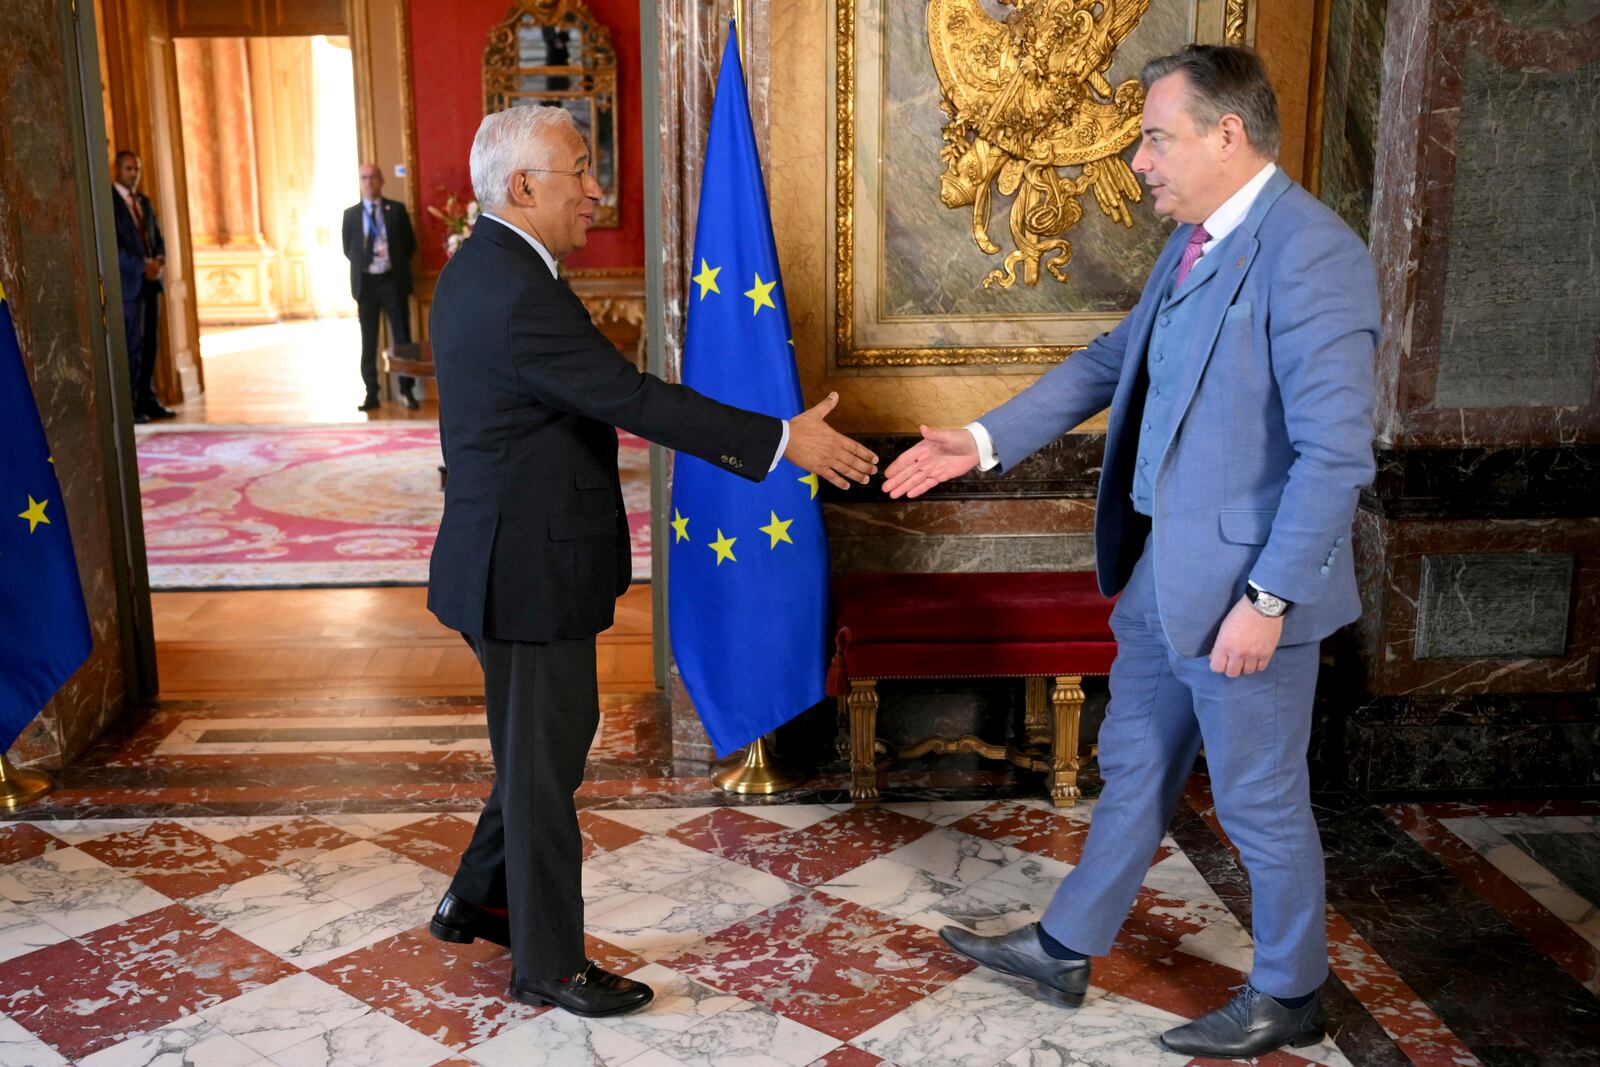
{"x": 987, "y": 460}
{"x": 783, "y": 444}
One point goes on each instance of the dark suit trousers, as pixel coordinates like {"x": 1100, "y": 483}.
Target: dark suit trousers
{"x": 380, "y": 294}
{"x": 133, "y": 324}
{"x": 526, "y": 855}
{"x": 144, "y": 395}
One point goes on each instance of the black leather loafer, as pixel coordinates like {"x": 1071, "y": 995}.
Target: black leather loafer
{"x": 1251, "y": 1024}
{"x": 592, "y": 992}
{"x": 1020, "y": 955}
{"x": 459, "y": 922}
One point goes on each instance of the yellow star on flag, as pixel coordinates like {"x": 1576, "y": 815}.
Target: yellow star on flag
{"x": 761, "y": 295}
{"x": 680, "y": 526}
{"x": 707, "y": 279}
{"x": 811, "y": 480}
{"x": 723, "y": 546}
{"x": 777, "y": 530}
{"x": 35, "y": 514}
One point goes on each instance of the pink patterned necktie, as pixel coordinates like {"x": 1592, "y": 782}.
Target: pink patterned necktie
{"x": 1191, "y": 254}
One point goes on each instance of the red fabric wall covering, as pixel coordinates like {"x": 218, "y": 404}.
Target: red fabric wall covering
{"x": 447, "y": 40}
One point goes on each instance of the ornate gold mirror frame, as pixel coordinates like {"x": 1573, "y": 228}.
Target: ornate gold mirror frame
{"x": 945, "y": 109}
{"x": 556, "y": 53}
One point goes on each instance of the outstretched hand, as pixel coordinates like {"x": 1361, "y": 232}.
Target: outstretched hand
{"x": 816, "y": 447}
{"x": 938, "y": 457}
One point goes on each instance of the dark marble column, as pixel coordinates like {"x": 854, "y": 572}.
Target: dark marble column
{"x": 47, "y": 267}
{"x": 1479, "y": 542}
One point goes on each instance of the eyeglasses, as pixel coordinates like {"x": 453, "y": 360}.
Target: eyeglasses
{"x": 585, "y": 171}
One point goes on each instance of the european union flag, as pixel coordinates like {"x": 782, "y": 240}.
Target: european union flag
{"x": 46, "y": 626}
{"x": 749, "y": 563}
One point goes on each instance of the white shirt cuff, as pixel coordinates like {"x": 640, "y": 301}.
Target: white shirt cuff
{"x": 987, "y": 460}
{"x": 783, "y": 444}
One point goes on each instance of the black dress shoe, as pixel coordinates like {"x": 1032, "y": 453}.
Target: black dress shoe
{"x": 369, "y": 404}
{"x": 140, "y": 418}
{"x": 459, "y": 922}
{"x": 592, "y": 992}
{"x": 409, "y": 401}
{"x": 154, "y": 410}
{"x": 1250, "y": 1024}
{"x": 1020, "y": 955}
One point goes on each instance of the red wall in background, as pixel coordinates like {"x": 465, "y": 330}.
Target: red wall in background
{"x": 447, "y": 39}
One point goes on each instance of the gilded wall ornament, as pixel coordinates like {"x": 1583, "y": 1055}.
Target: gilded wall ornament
{"x": 1031, "y": 113}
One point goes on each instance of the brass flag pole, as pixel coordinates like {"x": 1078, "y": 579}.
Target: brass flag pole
{"x": 755, "y": 772}
{"x": 19, "y": 788}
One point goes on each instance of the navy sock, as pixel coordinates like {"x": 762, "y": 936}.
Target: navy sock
{"x": 1295, "y": 1002}
{"x": 1055, "y": 949}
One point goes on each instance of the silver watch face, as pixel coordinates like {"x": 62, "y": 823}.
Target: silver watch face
{"x": 1270, "y": 606}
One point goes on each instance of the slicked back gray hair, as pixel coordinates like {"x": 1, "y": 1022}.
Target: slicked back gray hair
{"x": 517, "y": 138}
{"x": 1224, "y": 80}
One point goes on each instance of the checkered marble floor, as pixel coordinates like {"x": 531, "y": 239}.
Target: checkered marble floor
{"x": 783, "y": 934}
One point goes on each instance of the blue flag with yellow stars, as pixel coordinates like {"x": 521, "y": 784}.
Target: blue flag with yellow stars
{"x": 749, "y": 564}
{"x": 44, "y": 628}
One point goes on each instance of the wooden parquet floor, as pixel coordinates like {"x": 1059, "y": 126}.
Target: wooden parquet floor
{"x": 347, "y": 643}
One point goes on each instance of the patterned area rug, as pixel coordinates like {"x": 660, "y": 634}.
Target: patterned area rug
{"x": 270, "y": 507}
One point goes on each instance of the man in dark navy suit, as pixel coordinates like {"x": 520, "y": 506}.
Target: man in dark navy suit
{"x": 533, "y": 547}
{"x": 141, "y": 260}
{"x": 379, "y": 243}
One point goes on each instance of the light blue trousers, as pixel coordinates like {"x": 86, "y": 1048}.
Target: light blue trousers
{"x": 1255, "y": 729}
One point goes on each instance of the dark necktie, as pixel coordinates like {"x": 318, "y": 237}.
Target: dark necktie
{"x": 372, "y": 233}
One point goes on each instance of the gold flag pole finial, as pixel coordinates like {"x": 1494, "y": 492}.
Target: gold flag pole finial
{"x": 738, "y": 29}
{"x": 19, "y": 788}
{"x": 756, "y": 772}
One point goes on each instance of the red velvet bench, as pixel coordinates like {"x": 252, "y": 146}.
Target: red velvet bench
{"x": 1041, "y": 627}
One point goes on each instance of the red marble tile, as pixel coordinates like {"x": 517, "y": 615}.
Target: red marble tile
{"x": 19, "y": 842}
{"x": 298, "y": 839}
{"x": 174, "y": 860}
{"x": 823, "y": 851}
{"x": 123, "y": 980}
{"x": 1416, "y": 1029}
{"x": 832, "y": 965}
{"x": 726, "y": 832}
{"x": 435, "y": 842}
{"x": 454, "y": 994}
{"x": 1030, "y": 829}
{"x": 601, "y": 834}
{"x": 846, "y": 1056}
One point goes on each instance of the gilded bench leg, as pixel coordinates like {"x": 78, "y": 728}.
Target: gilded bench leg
{"x": 863, "y": 701}
{"x": 1067, "y": 705}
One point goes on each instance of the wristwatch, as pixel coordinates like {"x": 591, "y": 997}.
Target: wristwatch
{"x": 1264, "y": 602}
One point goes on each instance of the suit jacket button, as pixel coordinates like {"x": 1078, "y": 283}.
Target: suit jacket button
{"x": 1323, "y": 569}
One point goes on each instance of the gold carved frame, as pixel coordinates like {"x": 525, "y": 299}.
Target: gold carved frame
{"x": 594, "y": 78}
{"x": 1214, "y": 20}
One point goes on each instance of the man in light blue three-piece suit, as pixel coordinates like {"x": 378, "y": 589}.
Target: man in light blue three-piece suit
{"x": 1240, "y": 434}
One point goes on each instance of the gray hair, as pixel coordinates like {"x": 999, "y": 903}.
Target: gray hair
{"x": 508, "y": 141}
{"x": 1224, "y": 80}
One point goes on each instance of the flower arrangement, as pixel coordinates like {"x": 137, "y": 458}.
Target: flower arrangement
{"x": 458, "y": 220}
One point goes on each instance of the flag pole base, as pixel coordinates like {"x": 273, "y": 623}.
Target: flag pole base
{"x": 755, "y": 772}
{"x": 19, "y": 788}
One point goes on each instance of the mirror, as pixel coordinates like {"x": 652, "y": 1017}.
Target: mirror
{"x": 554, "y": 53}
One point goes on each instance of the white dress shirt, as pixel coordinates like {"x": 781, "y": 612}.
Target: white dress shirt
{"x": 550, "y": 261}
{"x": 1218, "y": 224}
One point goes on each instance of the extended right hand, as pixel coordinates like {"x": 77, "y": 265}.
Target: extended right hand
{"x": 938, "y": 457}
{"x": 816, "y": 447}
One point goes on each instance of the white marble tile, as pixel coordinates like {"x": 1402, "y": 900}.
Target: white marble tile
{"x": 228, "y": 827}
{"x": 642, "y": 867}
{"x": 748, "y": 1036}
{"x": 77, "y": 831}
{"x": 938, "y": 812}
{"x": 20, "y": 1048}
{"x": 653, "y": 925}
{"x": 21, "y": 933}
{"x": 679, "y": 1004}
{"x": 955, "y": 857}
{"x": 351, "y": 872}
{"x": 192, "y": 1041}
{"x": 1015, "y": 895}
{"x": 272, "y": 1018}
{"x": 469, "y": 817}
{"x": 372, "y": 823}
{"x": 257, "y": 902}
{"x": 1110, "y": 1031}
{"x": 371, "y": 1040}
{"x": 890, "y": 887}
{"x": 975, "y": 1019}
{"x": 74, "y": 892}
{"x": 652, "y": 820}
{"x": 314, "y": 933}
{"x": 1539, "y": 882}
{"x": 792, "y": 816}
{"x": 557, "y": 1039}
